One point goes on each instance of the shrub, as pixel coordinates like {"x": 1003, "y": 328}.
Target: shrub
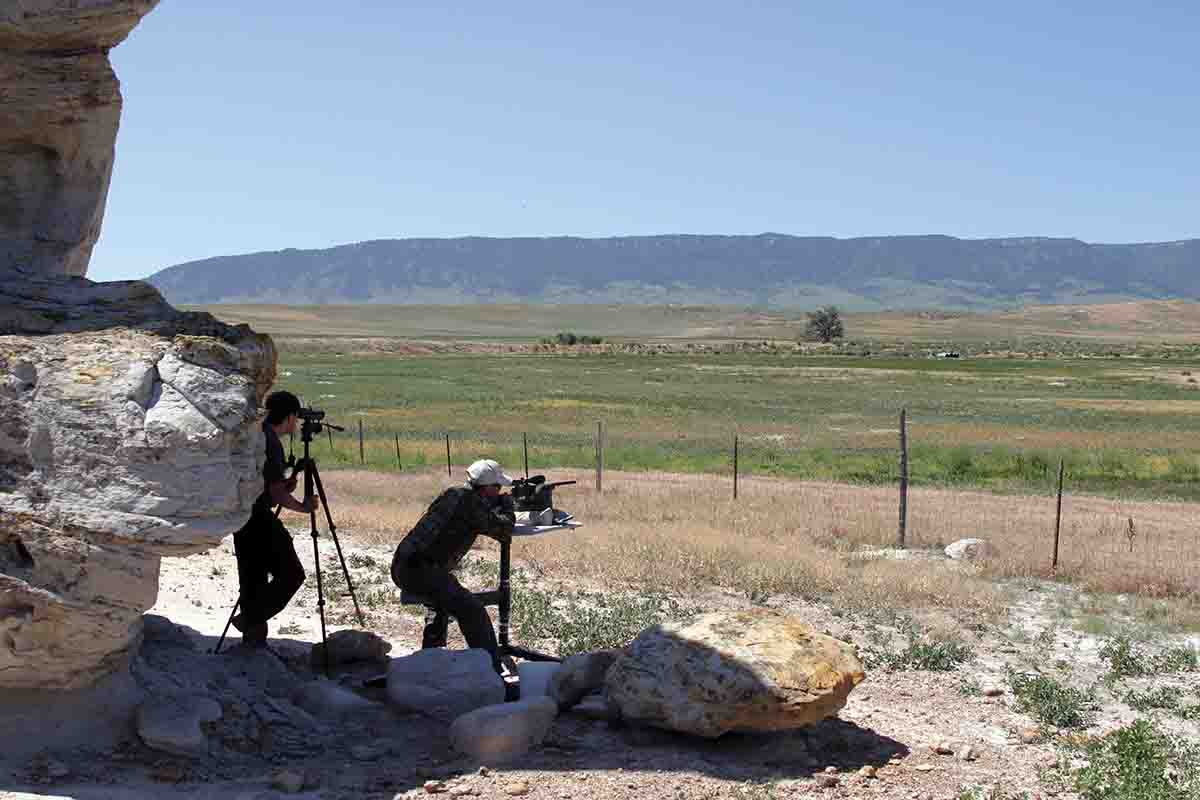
{"x": 1138, "y": 762}
{"x": 1050, "y": 702}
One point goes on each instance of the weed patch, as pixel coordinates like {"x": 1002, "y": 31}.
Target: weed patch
{"x": 583, "y": 621}
{"x": 1138, "y": 762}
{"x": 1050, "y": 702}
{"x": 920, "y": 653}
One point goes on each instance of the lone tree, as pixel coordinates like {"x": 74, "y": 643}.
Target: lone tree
{"x": 824, "y": 324}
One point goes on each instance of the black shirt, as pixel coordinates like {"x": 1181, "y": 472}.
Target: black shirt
{"x": 273, "y": 471}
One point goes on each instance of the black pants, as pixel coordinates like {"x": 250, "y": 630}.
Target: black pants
{"x": 264, "y": 548}
{"x": 450, "y": 599}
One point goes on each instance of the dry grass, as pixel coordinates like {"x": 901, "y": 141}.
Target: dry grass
{"x": 684, "y": 533}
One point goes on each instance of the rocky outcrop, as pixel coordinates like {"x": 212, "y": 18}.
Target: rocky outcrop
{"x": 59, "y": 112}
{"x": 128, "y": 431}
{"x": 748, "y": 671}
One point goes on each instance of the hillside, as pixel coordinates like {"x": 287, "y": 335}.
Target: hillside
{"x": 896, "y": 272}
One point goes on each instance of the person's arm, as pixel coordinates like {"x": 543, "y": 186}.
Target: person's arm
{"x": 281, "y": 495}
{"x": 494, "y": 521}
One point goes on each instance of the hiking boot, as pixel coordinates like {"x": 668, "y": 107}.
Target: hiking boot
{"x": 512, "y": 691}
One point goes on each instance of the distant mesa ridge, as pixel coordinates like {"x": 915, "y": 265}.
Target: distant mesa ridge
{"x": 769, "y": 269}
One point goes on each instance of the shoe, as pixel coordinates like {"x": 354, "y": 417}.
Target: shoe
{"x": 512, "y": 692}
{"x": 255, "y": 635}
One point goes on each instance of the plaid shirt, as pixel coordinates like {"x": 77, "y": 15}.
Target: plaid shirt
{"x": 450, "y": 527}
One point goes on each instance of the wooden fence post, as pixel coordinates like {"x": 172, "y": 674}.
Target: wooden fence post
{"x": 399, "y": 465}
{"x": 600, "y": 456}
{"x": 362, "y": 458}
{"x": 903, "y": 531}
{"x": 525, "y": 446}
{"x": 448, "y": 473}
{"x": 735, "y": 466}
{"x": 1062, "y": 468}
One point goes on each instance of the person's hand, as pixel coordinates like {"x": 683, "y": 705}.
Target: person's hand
{"x": 310, "y": 503}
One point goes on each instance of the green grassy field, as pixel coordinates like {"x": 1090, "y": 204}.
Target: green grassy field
{"x": 1126, "y": 427}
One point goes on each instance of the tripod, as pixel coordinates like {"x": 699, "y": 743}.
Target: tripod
{"x": 310, "y": 427}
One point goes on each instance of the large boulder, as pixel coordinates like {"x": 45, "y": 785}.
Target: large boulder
{"x": 59, "y": 113}
{"x": 129, "y": 432}
{"x": 500, "y": 733}
{"x": 444, "y": 684}
{"x": 748, "y": 671}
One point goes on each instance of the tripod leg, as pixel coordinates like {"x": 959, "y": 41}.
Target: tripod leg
{"x": 309, "y": 469}
{"x": 228, "y": 622}
{"x": 338, "y": 545}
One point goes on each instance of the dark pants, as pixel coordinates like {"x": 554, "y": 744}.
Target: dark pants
{"x": 264, "y": 547}
{"x": 449, "y": 599}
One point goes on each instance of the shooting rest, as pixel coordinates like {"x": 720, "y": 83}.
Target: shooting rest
{"x": 502, "y": 597}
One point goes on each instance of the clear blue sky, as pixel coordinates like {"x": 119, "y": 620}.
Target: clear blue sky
{"x": 261, "y": 125}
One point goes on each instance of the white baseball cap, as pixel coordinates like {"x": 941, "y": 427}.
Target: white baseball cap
{"x": 487, "y": 472}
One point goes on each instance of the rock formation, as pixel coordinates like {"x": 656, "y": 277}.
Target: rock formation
{"x": 59, "y": 110}
{"x": 748, "y": 671}
{"x": 128, "y": 432}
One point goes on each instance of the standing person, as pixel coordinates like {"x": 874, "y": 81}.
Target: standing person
{"x": 263, "y": 546}
{"x": 425, "y": 558}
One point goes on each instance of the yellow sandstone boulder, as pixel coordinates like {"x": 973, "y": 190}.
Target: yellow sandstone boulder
{"x": 747, "y": 671}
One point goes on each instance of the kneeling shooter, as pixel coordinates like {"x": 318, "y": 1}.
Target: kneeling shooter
{"x": 425, "y": 558}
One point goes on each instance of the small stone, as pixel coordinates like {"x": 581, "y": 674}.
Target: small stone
{"x": 517, "y": 789}
{"x": 463, "y": 791}
{"x": 924, "y": 767}
{"x": 484, "y": 771}
{"x": 966, "y": 753}
{"x": 942, "y": 748}
{"x": 827, "y": 781}
{"x": 288, "y": 781}
{"x": 868, "y": 772}
{"x": 830, "y": 770}
{"x": 434, "y": 787}
{"x": 992, "y": 691}
{"x": 1029, "y": 736}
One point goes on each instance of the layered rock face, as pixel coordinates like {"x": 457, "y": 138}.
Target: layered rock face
{"x": 751, "y": 671}
{"x": 59, "y": 111}
{"x": 128, "y": 431}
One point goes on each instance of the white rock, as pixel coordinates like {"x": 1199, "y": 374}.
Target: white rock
{"x": 444, "y": 683}
{"x": 500, "y": 733}
{"x": 580, "y": 675}
{"x": 322, "y": 698}
{"x": 172, "y": 724}
{"x": 968, "y": 550}
{"x": 288, "y": 781}
{"x": 535, "y": 678}
{"x": 107, "y": 468}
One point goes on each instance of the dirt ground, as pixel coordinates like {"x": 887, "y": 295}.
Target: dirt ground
{"x": 882, "y": 745}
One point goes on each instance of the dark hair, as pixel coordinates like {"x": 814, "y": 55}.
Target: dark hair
{"x": 280, "y": 406}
